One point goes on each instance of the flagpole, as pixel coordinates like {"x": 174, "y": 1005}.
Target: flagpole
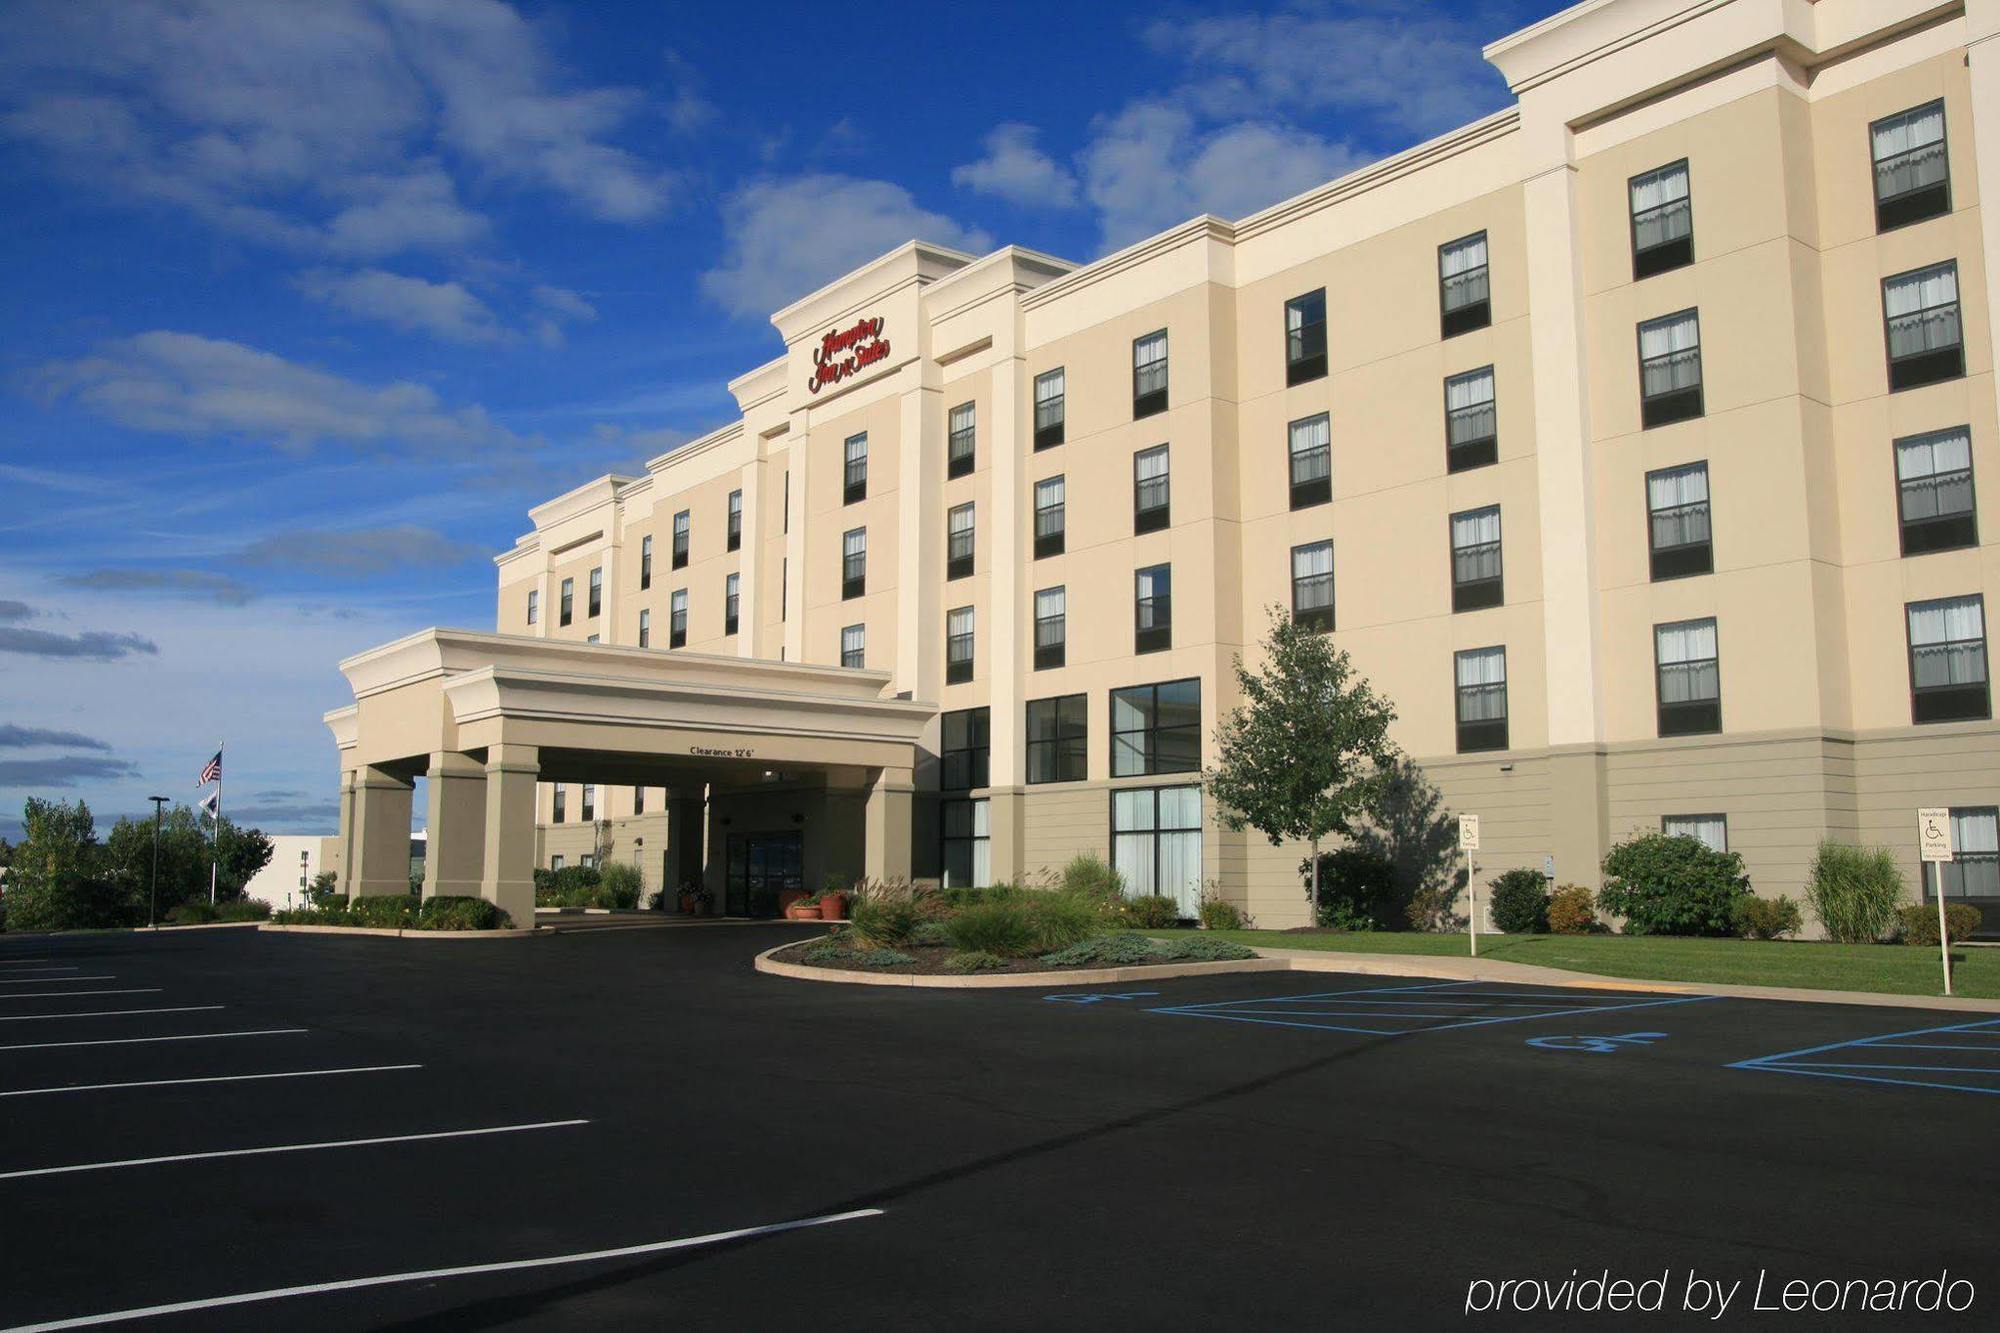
{"x": 215, "y": 855}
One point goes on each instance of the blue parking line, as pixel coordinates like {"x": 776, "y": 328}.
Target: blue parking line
{"x": 1799, "y": 1061}
{"x": 1310, "y": 1011}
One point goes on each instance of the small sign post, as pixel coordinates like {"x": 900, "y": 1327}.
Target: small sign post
{"x": 1468, "y": 842}
{"x": 1934, "y": 846}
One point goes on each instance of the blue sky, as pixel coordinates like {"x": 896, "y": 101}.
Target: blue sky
{"x": 307, "y": 303}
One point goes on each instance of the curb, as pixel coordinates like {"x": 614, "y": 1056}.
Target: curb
{"x": 1078, "y": 976}
{"x": 199, "y": 925}
{"x": 398, "y": 933}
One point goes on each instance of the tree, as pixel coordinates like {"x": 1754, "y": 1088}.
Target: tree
{"x": 1307, "y": 753}
{"x": 185, "y": 853}
{"x": 58, "y": 880}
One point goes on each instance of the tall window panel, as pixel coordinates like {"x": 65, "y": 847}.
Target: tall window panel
{"x": 534, "y": 605}
{"x": 1311, "y": 451}
{"x": 1051, "y": 628}
{"x": 645, "y": 629}
{"x": 1476, "y": 581}
{"x": 1471, "y": 421}
{"x": 965, "y": 749}
{"x": 1677, "y": 521}
{"x": 561, "y": 806}
{"x": 1688, "y": 677}
{"x": 853, "y": 563}
{"x": 589, "y": 802}
{"x": 638, "y": 800}
{"x": 732, "y": 601}
{"x": 1312, "y": 585}
{"x": 1934, "y": 498}
{"x": 854, "y": 472}
{"x": 597, "y": 592}
{"x": 958, "y": 645}
{"x": 1156, "y": 729}
{"x": 1149, "y": 374}
{"x": 1662, "y": 221}
{"x": 1305, "y": 337}
{"x": 735, "y": 520}
{"x": 568, "y": 607}
{"x": 1153, "y": 609}
{"x": 1058, "y": 739}
{"x": 1464, "y": 292}
{"x": 1711, "y": 831}
{"x": 1482, "y": 699}
{"x": 1156, "y": 843}
{"x": 1922, "y": 328}
{"x": 645, "y": 563}
{"x": 677, "y": 619}
{"x": 958, "y": 542}
{"x": 1912, "y": 169}
{"x": 682, "y": 521}
{"x": 968, "y": 844}
{"x": 1670, "y": 369}
{"x": 1973, "y": 873}
{"x": 961, "y": 440}
{"x": 854, "y": 646}
{"x": 1050, "y": 408}
{"x": 1150, "y": 496}
{"x": 1948, "y": 660}
{"x": 1051, "y": 517}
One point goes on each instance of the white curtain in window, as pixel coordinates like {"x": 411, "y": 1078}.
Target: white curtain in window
{"x": 855, "y": 542}
{"x": 1482, "y": 685}
{"x": 1482, "y": 666}
{"x": 1665, "y": 337}
{"x": 1674, "y": 487}
{"x": 962, "y": 419}
{"x": 1686, "y": 641}
{"x": 1910, "y": 292}
{"x": 1923, "y": 310}
{"x": 1312, "y": 448}
{"x": 1461, "y": 256}
{"x": 1149, "y": 350}
{"x": 1712, "y": 831}
{"x": 1975, "y": 832}
{"x": 857, "y": 449}
{"x": 959, "y": 521}
{"x": 1666, "y": 186}
{"x": 1952, "y": 620}
{"x": 1049, "y": 494}
{"x": 1150, "y": 465}
{"x": 958, "y": 623}
{"x": 1909, "y": 151}
{"x": 982, "y": 846}
{"x": 1472, "y": 389}
{"x": 1911, "y": 129}
{"x": 1928, "y": 455}
{"x": 1178, "y": 873}
{"x": 1476, "y": 528}
{"x": 1048, "y": 387}
{"x": 1312, "y": 561}
{"x": 1049, "y": 604}
{"x": 1132, "y": 840}
{"x": 1948, "y": 642}
{"x": 1153, "y": 581}
{"x": 853, "y": 643}
{"x": 1688, "y": 669}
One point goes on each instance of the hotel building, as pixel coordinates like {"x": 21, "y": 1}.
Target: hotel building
{"x": 1630, "y": 439}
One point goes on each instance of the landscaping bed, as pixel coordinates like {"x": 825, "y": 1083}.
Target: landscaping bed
{"x": 400, "y": 913}
{"x": 842, "y": 951}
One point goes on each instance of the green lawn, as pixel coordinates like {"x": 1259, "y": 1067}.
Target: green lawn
{"x": 1892, "y": 968}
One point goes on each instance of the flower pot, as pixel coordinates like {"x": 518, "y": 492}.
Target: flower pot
{"x": 786, "y": 897}
{"x": 687, "y": 904}
{"x": 802, "y": 911}
{"x": 832, "y": 906}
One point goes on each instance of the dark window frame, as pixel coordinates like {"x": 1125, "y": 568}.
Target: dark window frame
{"x": 1477, "y": 594}
{"x": 854, "y": 469}
{"x": 1686, "y": 404}
{"x": 1313, "y": 490}
{"x": 947, "y": 839}
{"x": 1937, "y": 365}
{"x": 961, "y": 462}
{"x": 958, "y": 667}
{"x": 596, "y": 593}
{"x": 1063, "y": 756}
{"x": 1051, "y": 650}
{"x": 1305, "y": 346}
{"x": 1150, "y": 747}
{"x": 1054, "y": 542}
{"x": 1687, "y": 559}
{"x": 1158, "y": 609}
{"x": 1479, "y": 735}
{"x": 645, "y": 627}
{"x": 1149, "y": 402}
{"x": 645, "y": 562}
{"x": 1157, "y": 829}
{"x": 1949, "y": 703}
{"x": 534, "y": 606}
{"x": 1951, "y": 877}
{"x": 1051, "y": 434}
{"x": 959, "y": 564}
{"x": 967, "y": 766}
{"x": 1317, "y": 618}
{"x": 860, "y": 654}
{"x": 559, "y": 805}
{"x": 1909, "y": 207}
{"x": 1151, "y": 518}
{"x": 732, "y": 602}
{"x": 1688, "y": 717}
{"x": 567, "y": 612}
{"x": 1941, "y": 532}
{"x": 1481, "y": 451}
{"x": 853, "y": 566}
{"x": 677, "y": 618}
{"x": 683, "y": 528}
{"x": 1453, "y": 321}
{"x": 734, "y": 523}
{"x": 1663, "y": 256}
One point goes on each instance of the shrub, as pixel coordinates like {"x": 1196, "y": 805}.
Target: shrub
{"x": 1220, "y": 914}
{"x": 830, "y": 950}
{"x": 1002, "y": 928}
{"x": 618, "y": 886}
{"x": 1357, "y": 889}
{"x": 956, "y": 898}
{"x": 1767, "y": 918}
{"x": 881, "y": 957}
{"x": 1202, "y": 949}
{"x": 449, "y": 912}
{"x": 1570, "y": 910}
{"x": 324, "y": 891}
{"x": 198, "y": 912}
{"x": 1058, "y": 920}
{"x": 384, "y": 911}
{"x": 973, "y": 961}
{"x": 1521, "y": 902}
{"x": 1152, "y": 912}
{"x": 1091, "y": 876}
{"x": 1917, "y": 922}
{"x": 1854, "y": 891}
{"x": 928, "y": 935}
{"x": 1107, "y": 951}
{"x": 883, "y": 921}
{"x": 1673, "y": 886}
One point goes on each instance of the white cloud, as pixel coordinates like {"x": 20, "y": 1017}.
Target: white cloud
{"x": 444, "y": 309}
{"x": 360, "y": 551}
{"x": 786, "y": 237}
{"x": 209, "y": 387}
{"x": 564, "y": 303}
{"x": 1016, "y": 170}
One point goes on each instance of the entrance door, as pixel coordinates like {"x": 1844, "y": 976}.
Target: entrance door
{"x": 761, "y": 864}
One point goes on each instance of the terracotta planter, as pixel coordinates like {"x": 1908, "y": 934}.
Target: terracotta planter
{"x": 833, "y": 907}
{"x": 802, "y": 911}
{"x": 786, "y": 897}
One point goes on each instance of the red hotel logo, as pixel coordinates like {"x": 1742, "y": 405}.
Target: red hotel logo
{"x": 842, "y": 352}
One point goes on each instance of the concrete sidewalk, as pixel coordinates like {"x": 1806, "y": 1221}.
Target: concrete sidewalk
{"x": 1460, "y": 968}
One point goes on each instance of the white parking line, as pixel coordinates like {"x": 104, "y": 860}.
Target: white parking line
{"x": 435, "y": 1274}
{"x": 109, "y": 1013}
{"x": 53, "y": 981}
{"x": 134, "y": 1041}
{"x": 212, "y": 1078}
{"x": 65, "y": 994}
{"x": 290, "y": 1147}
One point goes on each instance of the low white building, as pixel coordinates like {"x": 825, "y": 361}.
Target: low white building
{"x": 295, "y": 859}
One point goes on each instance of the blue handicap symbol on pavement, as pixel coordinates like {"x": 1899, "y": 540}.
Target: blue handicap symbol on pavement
{"x": 1596, "y": 1045}
{"x": 1093, "y": 999}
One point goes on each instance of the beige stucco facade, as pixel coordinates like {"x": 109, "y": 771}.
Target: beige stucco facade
{"x": 1773, "y": 107}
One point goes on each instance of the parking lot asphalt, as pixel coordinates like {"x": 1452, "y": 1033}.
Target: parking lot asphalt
{"x": 191, "y": 1118}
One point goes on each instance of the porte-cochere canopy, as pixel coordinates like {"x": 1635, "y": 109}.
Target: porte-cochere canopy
{"x": 486, "y": 717}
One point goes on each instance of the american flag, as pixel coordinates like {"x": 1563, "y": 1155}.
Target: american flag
{"x": 211, "y": 772}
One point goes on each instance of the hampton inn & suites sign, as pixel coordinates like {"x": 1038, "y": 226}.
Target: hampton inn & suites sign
{"x": 843, "y": 352}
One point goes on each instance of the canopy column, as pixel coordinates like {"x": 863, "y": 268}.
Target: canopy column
{"x": 381, "y": 845}
{"x": 455, "y": 825}
{"x": 686, "y": 818}
{"x": 507, "y": 868}
{"x": 886, "y": 825}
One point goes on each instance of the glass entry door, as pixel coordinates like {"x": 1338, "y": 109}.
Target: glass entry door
{"x": 760, "y": 865}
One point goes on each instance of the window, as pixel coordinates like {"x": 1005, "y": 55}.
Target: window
{"x": 556, "y": 863}
{"x": 677, "y": 619}
{"x": 853, "y": 563}
{"x": 645, "y": 629}
{"x": 1948, "y": 660}
{"x": 958, "y": 541}
{"x": 1149, "y": 374}
{"x": 1471, "y": 422}
{"x": 587, "y": 861}
{"x": 596, "y": 592}
{"x": 785, "y": 511}
{"x": 1934, "y": 491}
{"x": 854, "y": 480}
{"x": 1049, "y": 408}
{"x": 638, "y": 800}
{"x": 1050, "y": 519}
{"x": 1481, "y": 674}
{"x": 965, "y": 747}
{"x": 589, "y": 802}
{"x": 1156, "y": 729}
{"x": 1156, "y": 843}
{"x": 1920, "y": 310}
{"x": 534, "y": 605}
{"x": 1677, "y": 521}
{"x": 735, "y": 528}
{"x": 1312, "y": 461}
{"x": 568, "y": 600}
{"x": 1662, "y": 221}
{"x": 1974, "y": 868}
{"x": 1475, "y": 559}
{"x": 1687, "y": 677}
{"x": 1670, "y": 369}
{"x": 1463, "y": 290}
{"x": 1149, "y": 489}
{"x": 732, "y": 588}
{"x": 959, "y": 452}
{"x": 1912, "y": 171}
{"x": 1051, "y": 628}
{"x": 784, "y": 588}
{"x": 958, "y": 645}
{"x": 681, "y": 540}
{"x": 1153, "y": 609}
{"x": 645, "y": 563}
{"x": 1058, "y": 738}
{"x": 1711, "y": 831}
{"x": 854, "y": 646}
{"x": 1305, "y": 337}
{"x": 590, "y": 638}
{"x": 561, "y": 806}
{"x": 1312, "y": 585}
{"x": 968, "y": 846}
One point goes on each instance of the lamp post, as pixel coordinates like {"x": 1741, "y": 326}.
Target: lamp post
{"x": 153, "y": 901}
